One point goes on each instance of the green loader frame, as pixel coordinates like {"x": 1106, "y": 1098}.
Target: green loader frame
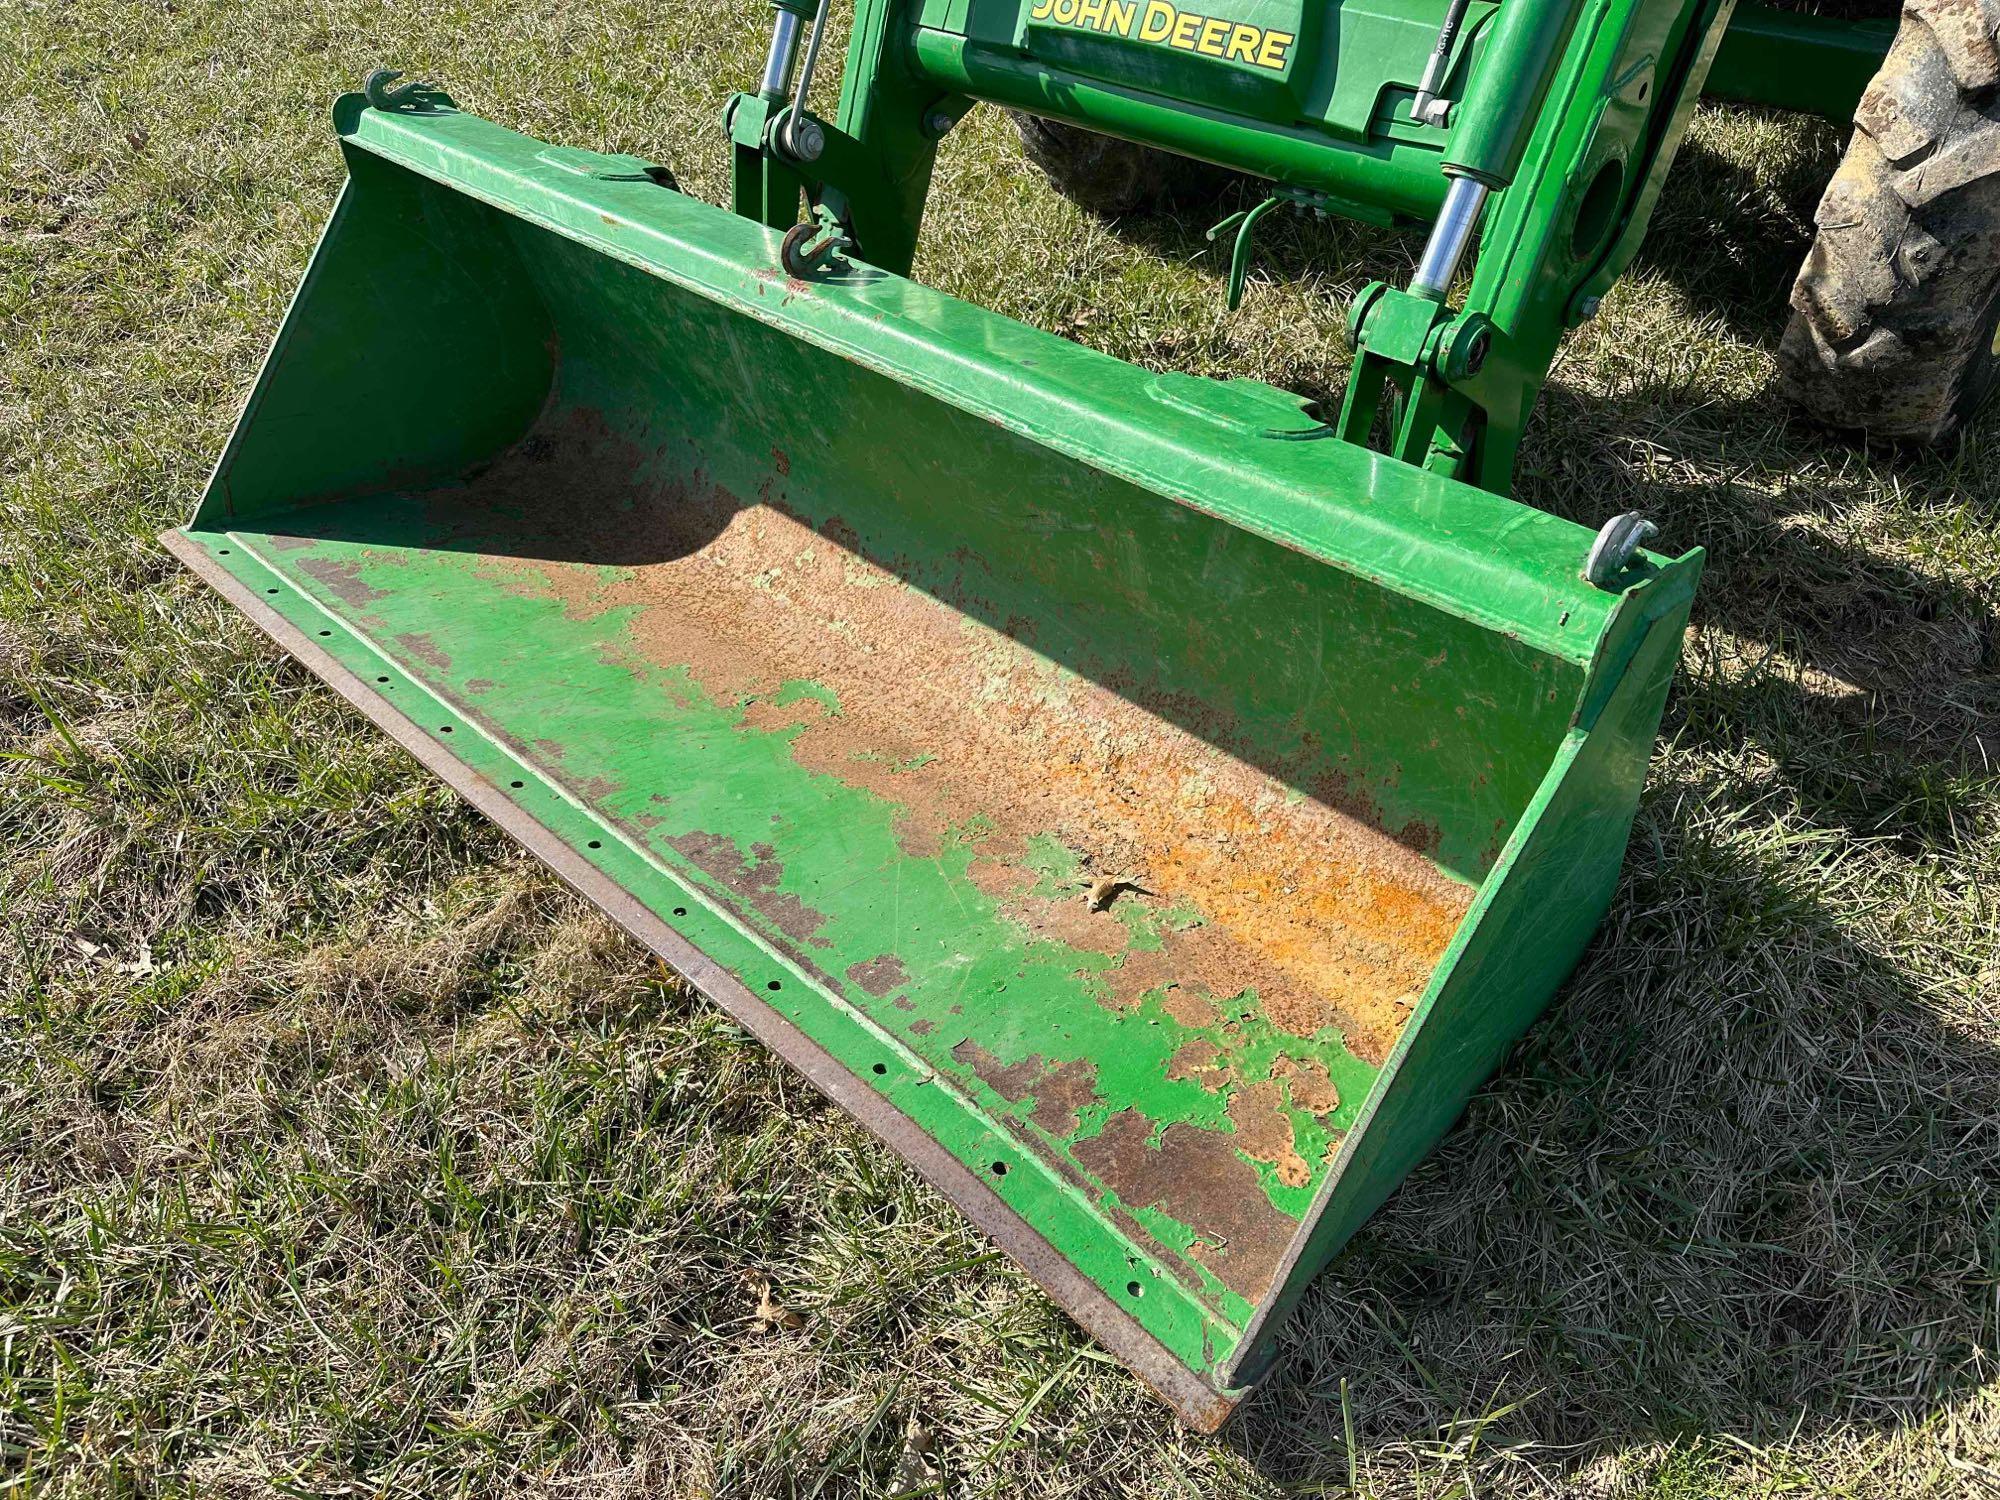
{"x": 1545, "y": 128}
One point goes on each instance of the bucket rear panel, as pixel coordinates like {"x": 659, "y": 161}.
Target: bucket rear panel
{"x": 1424, "y": 724}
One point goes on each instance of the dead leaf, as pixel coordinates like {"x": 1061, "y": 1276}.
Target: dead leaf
{"x": 772, "y": 1315}
{"x": 105, "y": 956}
{"x": 914, "y": 1469}
{"x": 1108, "y": 888}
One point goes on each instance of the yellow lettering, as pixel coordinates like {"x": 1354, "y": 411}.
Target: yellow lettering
{"x": 1163, "y": 21}
{"x": 1272, "y": 53}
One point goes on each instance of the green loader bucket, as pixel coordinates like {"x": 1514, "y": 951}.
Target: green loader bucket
{"x": 1150, "y": 814}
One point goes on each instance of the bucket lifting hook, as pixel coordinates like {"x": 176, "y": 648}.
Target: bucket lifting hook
{"x": 378, "y": 87}
{"x": 1244, "y": 222}
{"x": 1305, "y": 200}
{"x": 808, "y": 244}
{"x": 1618, "y": 542}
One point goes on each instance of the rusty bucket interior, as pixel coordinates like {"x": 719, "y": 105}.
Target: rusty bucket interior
{"x": 1149, "y": 815}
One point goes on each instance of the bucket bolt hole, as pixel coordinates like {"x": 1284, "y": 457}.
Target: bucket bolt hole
{"x": 880, "y": 1069}
{"x": 775, "y": 984}
{"x": 1133, "y": 1289}
{"x": 999, "y": 1169}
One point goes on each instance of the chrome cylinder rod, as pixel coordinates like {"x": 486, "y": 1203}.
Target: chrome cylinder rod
{"x": 1449, "y": 238}
{"x": 777, "y": 81}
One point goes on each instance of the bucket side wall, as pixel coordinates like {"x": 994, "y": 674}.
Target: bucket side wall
{"x": 414, "y": 350}
{"x": 1525, "y": 934}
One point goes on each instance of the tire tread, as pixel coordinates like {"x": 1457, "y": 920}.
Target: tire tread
{"x": 1894, "y": 308}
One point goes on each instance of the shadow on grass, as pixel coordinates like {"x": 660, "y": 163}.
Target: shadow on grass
{"x": 1732, "y": 240}
{"x": 1868, "y": 674}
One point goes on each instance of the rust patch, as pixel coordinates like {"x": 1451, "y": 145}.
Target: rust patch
{"x": 958, "y": 726}
{"x": 1201, "y": 1061}
{"x": 1264, "y": 1131}
{"x": 1142, "y": 971}
{"x": 781, "y": 461}
{"x": 717, "y": 856}
{"x": 1061, "y": 1091}
{"x": 1006, "y": 883}
{"x": 1308, "y": 1084}
{"x": 921, "y": 1027}
{"x": 424, "y": 649}
{"x": 342, "y": 580}
{"x": 1069, "y": 921}
{"x": 879, "y": 975}
{"x": 1190, "y": 1005}
{"x": 1196, "y": 1177}
{"x": 480, "y": 685}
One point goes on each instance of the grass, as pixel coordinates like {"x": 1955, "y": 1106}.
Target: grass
{"x": 343, "y": 1153}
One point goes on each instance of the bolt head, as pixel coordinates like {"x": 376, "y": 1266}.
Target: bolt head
{"x": 807, "y": 139}
{"x": 938, "y": 121}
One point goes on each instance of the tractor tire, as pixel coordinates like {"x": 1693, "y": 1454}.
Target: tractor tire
{"x": 1110, "y": 177}
{"x": 1893, "y": 329}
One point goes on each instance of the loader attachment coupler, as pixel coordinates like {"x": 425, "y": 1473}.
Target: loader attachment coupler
{"x": 1149, "y": 813}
